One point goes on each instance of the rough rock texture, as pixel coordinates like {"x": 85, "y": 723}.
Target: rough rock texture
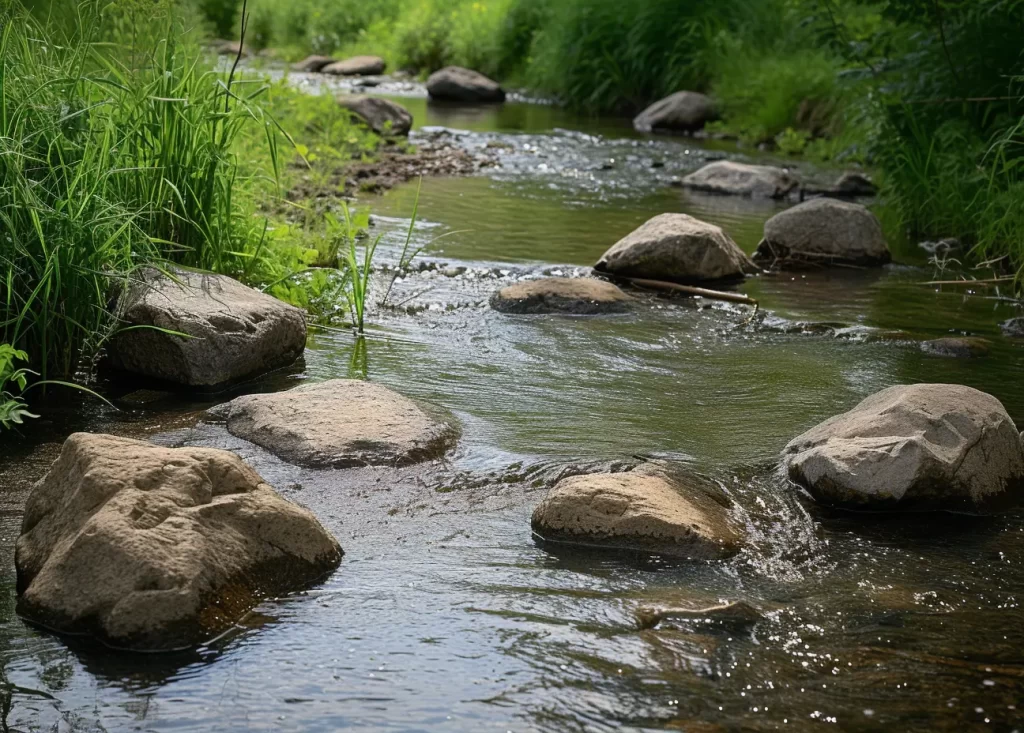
{"x": 155, "y": 548}
{"x": 676, "y": 247}
{"x": 235, "y": 332}
{"x": 313, "y": 64}
{"x": 823, "y": 231}
{"x": 920, "y": 446}
{"x": 639, "y": 510}
{"x": 338, "y": 424}
{"x": 456, "y": 84}
{"x": 356, "y": 66}
{"x": 679, "y": 112}
{"x": 1013, "y": 327}
{"x": 854, "y": 184}
{"x": 957, "y": 347}
{"x": 574, "y": 295}
{"x": 382, "y": 115}
{"x": 740, "y": 179}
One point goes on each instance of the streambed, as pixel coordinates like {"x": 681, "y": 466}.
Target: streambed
{"x": 445, "y": 615}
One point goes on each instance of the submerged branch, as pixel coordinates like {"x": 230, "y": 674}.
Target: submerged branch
{"x": 691, "y": 290}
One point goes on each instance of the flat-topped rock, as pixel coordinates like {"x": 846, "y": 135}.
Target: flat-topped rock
{"x": 152, "y": 548}
{"x": 741, "y": 179}
{"x": 823, "y": 231}
{"x": 640, "y": 510}
{"x": 340, "y": 423}
{"x": 456, "y": 84}
{"x": 939, "y": 446}
{"x": 356, "y": 66}
{"x": 572, "y": 295}
{"x": 679, "y": 112}
{"x": 312, "y": 64}
{"x": 957, "y": 347}
{"x": 381, "y": 115}
{"x": 234, "y": 332}
{"x": 676, "y": 247}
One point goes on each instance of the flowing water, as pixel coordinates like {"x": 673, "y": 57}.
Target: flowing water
{"x": 446, "y": 616}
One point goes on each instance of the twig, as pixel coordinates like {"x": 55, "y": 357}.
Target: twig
{"x": 991, "y": 281}
{"x": 690, "y": 290}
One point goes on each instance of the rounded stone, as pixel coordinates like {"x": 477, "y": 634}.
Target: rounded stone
{"x": 741, "y": 179}
{"x": 313, "y": 64}
{"x": 571, "y": 295}
{"x": 679, "y": 112}
{"x": 381, "y": 115}
{"x": 457, "y": 84}
{"x": 824, "y": 231}
{"x": 957, "y": 347}
{"x": 356, "y": 66}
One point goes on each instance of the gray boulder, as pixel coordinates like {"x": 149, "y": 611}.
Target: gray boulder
{"x": 640, "y": 510}
{"x": 456, "y": 84}
{"x": 153, "y": 548}
{"x": 741, "y": 179}
{"x": 381, "y": 115}
{"x": 340, "y": 423}
{"x": 313, "y": 64}
{"x": 824, "y": 231}
{"x": 1014, "y": 327}
{"x": 679, "y": 112}
{"x": 572, "y": 295}
{"x": 234, "y": 332}
{"x": 356, "y": 66}
{"x": 676, "y": 247}
{"x": 940, "y": 446}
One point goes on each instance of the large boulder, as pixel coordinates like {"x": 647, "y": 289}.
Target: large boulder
{"x": 339, "y": 423}
{"x": 456, "y": 84}
{"x": 381, "y": 115}
{"x": 639, "y": 510}
{"x": 676, "y": 247}
{"x": 679, "y": 112}
{"x": 824, "y": 231}
{"x": 313, "y": 64}
{"x": 741, "y": 179}
{"x": 572, "y": 295}
{"x": 153, "y": 548}
{"x": 233, "y": 332}
{"x": 356, "y": 66}
{"x": 942, "y": 446}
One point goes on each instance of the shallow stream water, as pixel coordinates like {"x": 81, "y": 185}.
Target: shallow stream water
{"x": 446, "y": 616}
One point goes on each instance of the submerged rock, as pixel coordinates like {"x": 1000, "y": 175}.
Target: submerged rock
{"x": 676, "y": 247}
{"x": 356, "y": 66}
{"x": 679, "y": 112}
{"x": 340, "y": 423}
{"x": 640, "y": 510}
{"x": 234, "y": 332}
{"x": 957, "y": 347}
{"x": 456, "y": 84}
{"x": 853, "y": 184}
{"x": 821, "y": 232}
{"x": 153, "y": 548}
{"x": 381, "y": 115}
{"x": 741, "y": 179}
{"x": 313, "y": 64}
{"x": 942, "y": 446}
{"x": 736, "y": 614}
{"x": 1014, "y": 327}
{"x": 572, "y": 295}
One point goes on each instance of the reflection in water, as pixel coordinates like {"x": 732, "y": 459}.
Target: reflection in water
{"x": 446, "y": 615}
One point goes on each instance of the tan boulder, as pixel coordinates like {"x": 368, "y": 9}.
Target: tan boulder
{"x": 676, "y": 247}
{"x": 939, "y": 446}
{"x": 742, "y": 179}
{"x": 339, "y": 423}
{"x": 313, "y": 64}
{"x": 640, "y": 510}
{"x": 153, "y": 548}
{"x": 233, "y": 332}
{"x": 679, "y": 112}
{"x": 456, "y": 84}
{"x": 381, "y": 115}
{"x": 572, "y": 295}
{"x": 356, "y": 66}
{"x": 823, "y": 231}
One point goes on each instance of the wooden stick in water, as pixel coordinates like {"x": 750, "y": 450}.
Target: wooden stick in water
{"x": 690, "y": 290}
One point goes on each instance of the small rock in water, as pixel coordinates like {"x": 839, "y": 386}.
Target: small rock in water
{"x": 1013, "y": 327}
{"x": 741, "y": 179}
{"x": 957, "y": 347}
{"x": 734, "y": 614}
{"x": 576, "y": 296}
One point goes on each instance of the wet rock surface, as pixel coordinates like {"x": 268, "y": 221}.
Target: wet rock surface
{"x": 676, "y": 247}
{"x": 1014, "y": 327}
{"x": 938, "y": 446}
{"x": 153, "y": 548}
{"x": 233, "y": 332}
{"x": 574, "y": 296}
{"x": 339, "y": 423}
{"x": 821, "y": 232}
{"x": 957, "y": 347}
{"x": 457, "y": 84}
{"x": 679, "y": 112}
{"x": 640, "y": 510}
{"x": 356, "y": 66}
{"x": 312, "y": 64}
{"x": 381, "y": 115}
{"x": 742, "y": 179}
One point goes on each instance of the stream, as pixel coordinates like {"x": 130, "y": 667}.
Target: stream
{"x": 445, "y": 615}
